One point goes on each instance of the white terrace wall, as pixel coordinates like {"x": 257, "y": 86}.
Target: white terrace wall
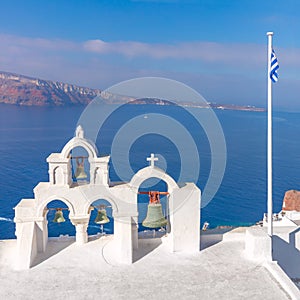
{"x": 183, "y": 210}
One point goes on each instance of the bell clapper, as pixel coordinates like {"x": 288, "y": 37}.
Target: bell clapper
{"x": 102, "y": 229}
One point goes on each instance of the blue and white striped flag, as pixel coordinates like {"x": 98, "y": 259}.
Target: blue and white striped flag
{"x": 274, "y": 67}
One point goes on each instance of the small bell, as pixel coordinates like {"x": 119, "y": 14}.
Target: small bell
{"x": 59, "y": 217}
{"x": 102, "y": 217}
{"x": 80, "y": 173}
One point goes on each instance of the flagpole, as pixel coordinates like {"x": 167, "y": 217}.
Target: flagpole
{"x": 270, "y": 167}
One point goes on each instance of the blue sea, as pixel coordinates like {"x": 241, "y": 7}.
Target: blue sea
{"x": 28, "y": 135}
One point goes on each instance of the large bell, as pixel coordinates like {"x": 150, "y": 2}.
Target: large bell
{"x": 80, "y": 173}
{"x": 155, "y": 217}
{"x": 59, "y": 217}
{"x": 102, "y": 217}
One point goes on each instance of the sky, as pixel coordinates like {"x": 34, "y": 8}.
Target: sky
{"x": 217, "y": 47}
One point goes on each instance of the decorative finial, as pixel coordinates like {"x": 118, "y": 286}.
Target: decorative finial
{"x": 152, "y": 159}
{"x": 79, "y": 132}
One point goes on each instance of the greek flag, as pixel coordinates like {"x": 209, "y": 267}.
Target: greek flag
{"x": 274, "y": 67}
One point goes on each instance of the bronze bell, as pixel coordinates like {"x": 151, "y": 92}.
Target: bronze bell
{"x": 155, "y": 217}
{"x": 101, "y": 217}
{"x": 80, "y": 173}
{"x": 59, "y": 217}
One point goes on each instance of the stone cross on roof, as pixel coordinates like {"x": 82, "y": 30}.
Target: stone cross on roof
{"x": 79, "y": 132}
{"x": 152, "y": 159}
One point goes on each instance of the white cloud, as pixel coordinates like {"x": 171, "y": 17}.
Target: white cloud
{"x": 36, "y": 43}
{"x": 217, "y": 69}
{"x": 207, "y": 52}
{"x": 204, "y": 51}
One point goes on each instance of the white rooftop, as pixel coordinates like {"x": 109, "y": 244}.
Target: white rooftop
{"x": 71, "y": 271}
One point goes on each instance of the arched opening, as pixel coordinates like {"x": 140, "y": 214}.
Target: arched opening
{"x": 56, "y": 225}
{"x": 80, "y": 165}
{"x": 101, "y": 218}
{"x": 58, "y": 175}
{"x": 58, "y": 219}
{"x": 155, "y": 229}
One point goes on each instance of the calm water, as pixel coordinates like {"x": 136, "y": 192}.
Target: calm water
{"x": 29, "y": 134}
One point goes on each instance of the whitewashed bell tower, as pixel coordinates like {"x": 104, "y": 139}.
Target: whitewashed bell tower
{"x": 31, "y": 214}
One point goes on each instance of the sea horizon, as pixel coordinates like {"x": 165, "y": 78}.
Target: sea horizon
{"x": 30, "y": 134}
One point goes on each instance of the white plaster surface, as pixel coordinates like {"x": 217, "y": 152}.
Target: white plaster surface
{"x": 258, "y": 244}
{"x": 31, "y": 214}
{"x": 70, "y": 271}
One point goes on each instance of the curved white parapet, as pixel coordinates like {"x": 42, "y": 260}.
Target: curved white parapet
{"x": 152, "y": 172}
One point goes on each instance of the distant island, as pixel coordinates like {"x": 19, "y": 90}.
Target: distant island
{"x": 23, "y": 90}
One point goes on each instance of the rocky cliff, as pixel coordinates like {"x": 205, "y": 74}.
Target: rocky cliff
{"x": 291, "y": 201}
{"x": 24, "y": 90}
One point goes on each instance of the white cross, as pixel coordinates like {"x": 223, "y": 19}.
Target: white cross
{"x": 152, "y": 159}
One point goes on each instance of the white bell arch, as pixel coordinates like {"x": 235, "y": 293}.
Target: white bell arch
{"x": 42, "y": 205}
{"x": 150, "y": 172}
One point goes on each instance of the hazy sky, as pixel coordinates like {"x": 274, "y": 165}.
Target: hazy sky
{"x": 218, "y": 47}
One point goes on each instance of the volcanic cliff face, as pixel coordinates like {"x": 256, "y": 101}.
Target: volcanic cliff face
{"x": 24, "y": 90}
{"x": 291, "y": 201}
